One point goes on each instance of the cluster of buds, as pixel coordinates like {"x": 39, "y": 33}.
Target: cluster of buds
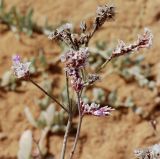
{"x": 152, "y": 152}
{"x": 143, "y": 41}
{"x": 74, "y": 61}
{"x": 103, "y": 14}
{"x": 76, "y": 58}
{"x": 92, "y": 78}
{"x": 77, "y": 83}
{"x": 61, "y": 31}
{"x": 74, "y": 40}
{"x": 95, "y": 109}
{"x": 20, "y": 69}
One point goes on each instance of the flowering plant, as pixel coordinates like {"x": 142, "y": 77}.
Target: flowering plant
{"x": 152, "y": 152}
{"x": 75, "y": 62}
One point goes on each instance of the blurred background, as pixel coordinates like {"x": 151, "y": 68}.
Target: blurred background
{"x": 130, "y": 84}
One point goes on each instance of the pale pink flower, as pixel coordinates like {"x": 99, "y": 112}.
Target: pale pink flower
{"x": 75, "y": 59}
{"x": 144, "y": 41}
{"x": 60, "y": 31}
{"x": 77, "y": 84}
{"x": 95, "y": 109}
{"x": 20, "y": 69}
{"x": 103, "y": 14}
{"x": 67, "y": 26}
{"x": 103, "y": 111}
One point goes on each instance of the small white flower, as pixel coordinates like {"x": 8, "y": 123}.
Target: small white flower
{"x": 54, "y": 34}
{"x": 51, "y": 35}
{"x": 152, "y": 152}
{"x": 65, "y": 27}
{"x": 104, "y": 111}
{"x": 121, "y": 45}
{"x": 20, "y": 69}
{"x": 63, "y": 58}
{"x": 146, "y": 39}
{"x": 94, "y": 106}
{"x": 156, "y": 151}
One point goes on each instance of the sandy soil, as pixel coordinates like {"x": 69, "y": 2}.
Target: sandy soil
{"x": 112, "y": 137}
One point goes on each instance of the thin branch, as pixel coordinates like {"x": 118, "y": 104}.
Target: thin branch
{"x": 90, "y": 35}
{"x": 69, "y": 121}
{"x": 143, "y": 41}
{"x": 66, "y": 137}
{"x": 104, "y": 64}
{"x": 78, "y": 129}
{"x": 68, "y": 95}
{"x": 49, "y": 95}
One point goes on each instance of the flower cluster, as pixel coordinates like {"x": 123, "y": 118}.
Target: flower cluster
{"x": 74, "y": 40}
{"x": 95, "y": 109}
{"x": 103, "y": 14}
{"x": 63, "y": 33}
{"x": 92, "y": 78}
{"x": 143, "y": 41}
{"x": 77, "y": 83}
{"x": 20, "y": 69}
{"x": 152, "y": 152}
{"x": 59, "y": 32}
{"x": 75, "y": 60}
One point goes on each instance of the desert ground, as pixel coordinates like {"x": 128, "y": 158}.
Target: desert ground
{"x": 113, "y": 137}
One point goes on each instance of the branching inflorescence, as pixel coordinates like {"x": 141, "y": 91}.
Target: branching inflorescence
{"x": 75, "y": 62}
